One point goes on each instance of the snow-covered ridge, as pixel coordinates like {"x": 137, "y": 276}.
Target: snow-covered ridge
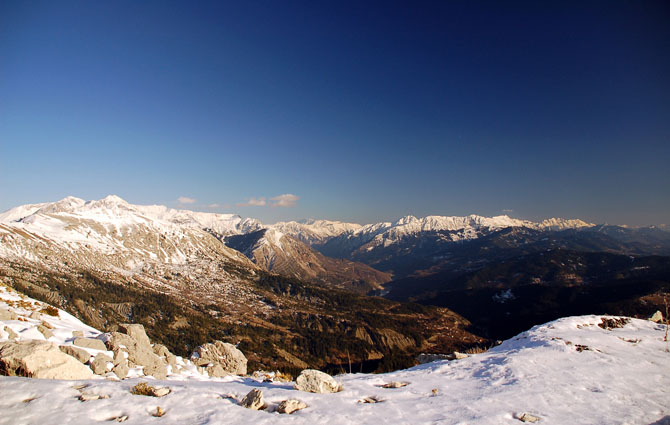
{"x": 569, "y": 371}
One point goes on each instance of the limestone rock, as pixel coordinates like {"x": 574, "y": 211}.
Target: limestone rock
{"x": 78, "y": 353}
{"x": 12, "y": 334}
{"x": 119, "y": 357}
{"x": 290, "y": 406}
{"x": 45, "y": 331}
{"x": 140, "y": 354}
{"x": 460, "y": 356}
{"x": 315, "y": 381}
{"x": 35, "y": 315}
{"x": 99, "y": 364}
{"x": 79, "y": 334}
{"x": 216, "y": 371}
{"x": 395, "y": 384}
{"x": 157, "y": 369}
{"x": 94, "y": 344}
{"x": 40, "y": 359}
{"x": 7, "y": 315}
{"x": 160, "y": 392}
{"x": 121, "y": 370}
{"x": 136, "y": 331}
{"x": 89, "y": 397}
{"x": 253, "y": 400}
{"x": 226, "y": 355}
{"x": 527, "y": 417}
{"x": 656, "y": 317}
{"x": 161, "y": 351}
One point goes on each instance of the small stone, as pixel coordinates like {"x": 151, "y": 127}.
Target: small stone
{"x": 94, "y": 344}
{"x": 460, "y": 356}
{"x": 290, "y": 406}
{"x": 527, "y": 417}
{"x": 395, "y": 384}
{"x": 45, "y": 331}
{"x": 47, "y": 325}
{"x": 253, "y": 400}
{"x": 89, "y": 397}
{"x": 372, "y": 399}
{"x": 656, "y": 317}
{"x": 159, "y": 412}
{"x": 78, "y": 334}
{"x": 160, "y": 392}
{"x": 35, "y": 315}
{"x": 120, "y": 418}
{"x": 435, "y": 391}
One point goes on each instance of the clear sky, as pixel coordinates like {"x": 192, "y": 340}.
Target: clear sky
{"x": 359, "y": 111}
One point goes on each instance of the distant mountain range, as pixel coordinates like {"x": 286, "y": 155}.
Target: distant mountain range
{"x": 298, "y": 283}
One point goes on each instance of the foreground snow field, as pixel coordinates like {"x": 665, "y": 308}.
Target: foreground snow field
{"x": 570, "y": 371}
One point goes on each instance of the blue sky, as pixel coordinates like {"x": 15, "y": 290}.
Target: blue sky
{"x": 363, "y": 111}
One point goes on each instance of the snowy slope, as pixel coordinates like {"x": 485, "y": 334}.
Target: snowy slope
{"x": 315, "y": 231}
{"x": 569, "y": 371}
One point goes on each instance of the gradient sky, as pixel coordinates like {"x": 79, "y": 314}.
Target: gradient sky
{"x": 365, "y": 111}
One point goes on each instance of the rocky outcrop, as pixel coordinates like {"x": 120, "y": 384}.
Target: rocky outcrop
{"x": 315, "y": 381}
{"x": 226, "y": 355}
{"x": 99, "y": 364}
{"x": 40, "y": 359}
{"x": 136, "y": 347}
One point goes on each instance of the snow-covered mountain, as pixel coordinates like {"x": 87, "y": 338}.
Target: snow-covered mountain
{"x": 282, "y": 254}
{"x": 314, "y": 232}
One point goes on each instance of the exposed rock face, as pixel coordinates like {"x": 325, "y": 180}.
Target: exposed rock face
{"x": 224, "y": 354}
{"x": 78, "y": 353}
{"x": 95, "y": 344}
{"x": 139, "y": 350}
{"x": 40, "y": 359}
{"x": 162, "y": 351}
{"x": 253, "y": 400}
{"x": 315, "y": 381}
{"x": 136, "y": 332}
{"x": 290, "y": 406}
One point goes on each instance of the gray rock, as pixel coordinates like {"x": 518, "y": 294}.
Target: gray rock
{"x": 161, "y": 351}
{"x": 315, "y": 381}
{"x": 94, "y": 344}
{"x": 136, "y": 331}
{"x": 12, "y": 334}
{"x": 40, "y": 359}
{"x": 656, "y": 317}
{"x": 253, "y": 400}
{"x": 290, "y": 406}
{"x": 428, "y": 358}
{"x": 157, "y": 369}
{"x": 138, "y": 354}
{"x": 160, "y": 392}
{"x": 78, "y": 353}
{"x": 99, "y": 364}
{"x": 527, "y": 417}
{"x": 121, "y": 370}
{"x": 119, "y": 357}
{"x": 226, "y": 355}
{"x": 216, "y": 371}
{"x": 45, "y": 331}
{"x": 89, "y": 397}
{"x": 7, "y": 315}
